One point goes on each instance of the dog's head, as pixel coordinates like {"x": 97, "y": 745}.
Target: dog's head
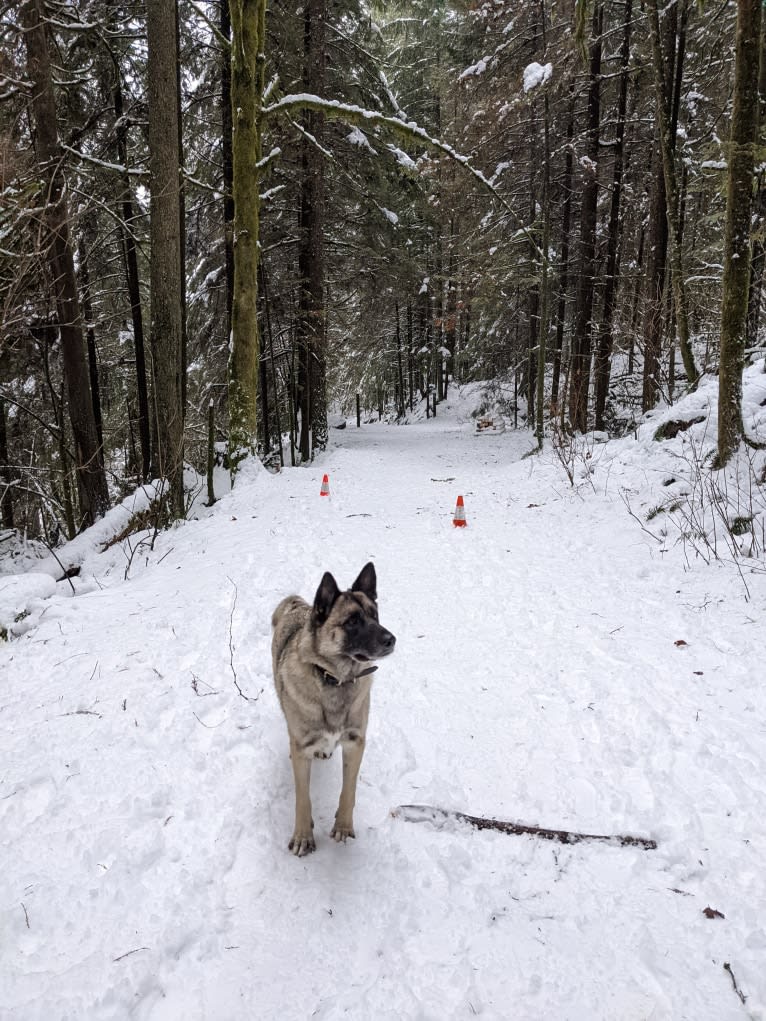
{"x": 346, "y": 623}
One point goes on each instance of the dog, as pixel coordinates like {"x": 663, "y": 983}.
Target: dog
{"x": 323, "y": 657}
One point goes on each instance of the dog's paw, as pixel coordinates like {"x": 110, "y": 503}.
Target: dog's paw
{"x": 302, "y": 844}
{"x": 341, "y": 831}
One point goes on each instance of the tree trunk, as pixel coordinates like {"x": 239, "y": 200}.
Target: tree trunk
{"x": 636, "y": 296}
{"x": 6, "y": 475}
{"x": 181, "y": 213}
{"x": 400, "y": 404}
{"x": 312, "y": 316}
{"x": 166, "y": 267}
{"x": 657, "y": 238}
{"x": 439, "y": 309}
{"x": 134, "y": 284}
{"x": 564, "y": 267}
{"x": 655, "y": 282}
{"x": 262, "y": 368}
{"x": 736, "y": 260}
{"x": 583, "y": 329}
{"x": 544, "y": 278}
{"x": 450, "y": 326}
{"x": 665, "y": 118}
{"x": 606, "y": 338}
{"x": 90, "y": 334}
{"x": 410, "y": 357}
{"x": 226, "y": 155}
{"x": 248, "y": 22}
{"x": 758, "y": 261}
{"x": 91, "y": 478}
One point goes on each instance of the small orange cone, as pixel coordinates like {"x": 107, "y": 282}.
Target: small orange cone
{"x": 325, "y": 490}
{"x": 459, "y": 520}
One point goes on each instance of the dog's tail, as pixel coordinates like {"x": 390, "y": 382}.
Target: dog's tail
{"x": 285, "y": 607}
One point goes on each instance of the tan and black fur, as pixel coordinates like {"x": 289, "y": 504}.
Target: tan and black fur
{"x": 322, "y": 656}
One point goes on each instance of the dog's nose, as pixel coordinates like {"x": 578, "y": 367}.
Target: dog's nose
{"x": 388, "y": 641}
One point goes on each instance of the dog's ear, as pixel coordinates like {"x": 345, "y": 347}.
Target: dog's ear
{"x": 324, "y": 600}
{"x": 367, "y": 582}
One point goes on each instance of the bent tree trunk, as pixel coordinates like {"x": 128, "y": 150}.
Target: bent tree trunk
{"x": 91, "y": 477}
{"x": 736, "y": 258}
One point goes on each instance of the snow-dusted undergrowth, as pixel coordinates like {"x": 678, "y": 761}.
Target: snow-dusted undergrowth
{"x": 556, "y": 664}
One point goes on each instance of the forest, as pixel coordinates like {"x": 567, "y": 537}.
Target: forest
{"x": 225, "y": 225}
{"x": 463, "y": 299}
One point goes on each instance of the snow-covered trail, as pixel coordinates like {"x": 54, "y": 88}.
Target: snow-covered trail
{"x": 145, "y": 806}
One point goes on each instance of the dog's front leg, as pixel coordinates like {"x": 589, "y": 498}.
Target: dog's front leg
{"x": 302, "y": 841}
{"x": 353, "y": 750}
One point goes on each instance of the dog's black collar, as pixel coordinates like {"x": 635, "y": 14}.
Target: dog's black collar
{"x": 333, "y": 682}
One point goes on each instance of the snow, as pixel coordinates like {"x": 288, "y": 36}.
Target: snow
{"x": 357, "y": 137}
{"x": 20, "y": 593}
{"x": 537, "y": 74}
{"x": 402, "y": 158}
{"x": 539, "y": 676}
{"x": 588, "y": 164}
{"x": 475, "y": 69}
{"x": 500, "y": 169}
{"x": 88, "y": 544}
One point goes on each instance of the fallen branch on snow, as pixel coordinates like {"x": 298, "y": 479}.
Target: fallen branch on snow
{"x": 737, "y": 990}
{"x": 438, "y": 817}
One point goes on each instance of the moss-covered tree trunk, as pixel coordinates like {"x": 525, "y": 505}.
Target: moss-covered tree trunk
{"x": 248, "y": 40}
{"x": 736, "y": 258}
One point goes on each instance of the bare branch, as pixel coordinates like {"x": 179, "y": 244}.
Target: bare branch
{"x": 438, "y": 817}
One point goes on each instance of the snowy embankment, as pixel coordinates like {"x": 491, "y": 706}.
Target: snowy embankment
{"x": 556, "y": 664}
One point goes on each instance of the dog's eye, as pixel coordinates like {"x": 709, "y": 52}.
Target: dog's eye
{"x": 354, "y": 621}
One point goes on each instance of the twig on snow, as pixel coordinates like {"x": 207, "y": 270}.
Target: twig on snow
{"x": 635, "y": 517}
{"x": 210, "y": 726}
{"x": 439, "y": 816}
{"x": 248, "y": 698}
{"x": 26, "y": 916}
{"x": 65, "y": 572}
{"x": 737, "y": 990}
{"x": 123, "y": 956}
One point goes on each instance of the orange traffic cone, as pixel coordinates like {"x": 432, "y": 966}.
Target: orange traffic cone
{"x": 325, "y": 490}
{"x": 459, "y": 520}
